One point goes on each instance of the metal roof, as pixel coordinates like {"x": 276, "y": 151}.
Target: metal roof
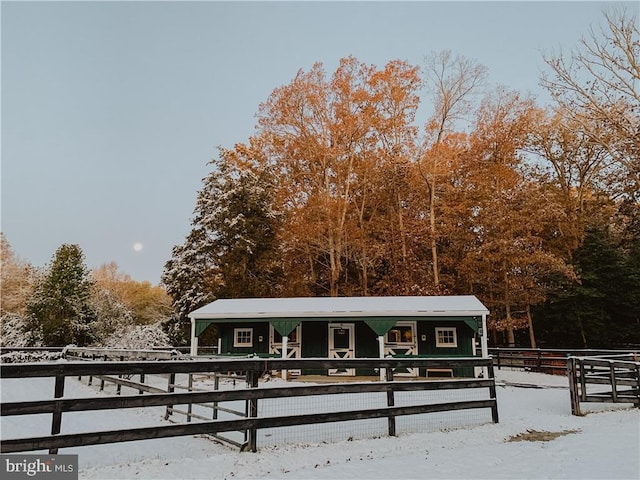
{"x": 309, "y": 307}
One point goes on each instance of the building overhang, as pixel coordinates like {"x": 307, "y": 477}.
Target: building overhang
{"x": 380, "y": 313}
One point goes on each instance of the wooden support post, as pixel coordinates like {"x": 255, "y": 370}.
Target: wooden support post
{"x": 193, "y": 350}
{"x": 572, "y": 375}
{"x": 381, "y": 355}
{"x": 171, "y": 386}
{"x": 583, "y": 380}
{"x": 56, "y": 421}
{"x": 614, "y": 386}
{"x": 498, "y": 358}
{"x": 391, "y": 403}
{"x": 252, "y": 404}
{"x": 190, "y": 389}
{"x": 118, "y": 386}
{"x": 216, "y": 387}
{"x": 492, "y": 393}
{"x": 637, "y": 389}
{"x": 285, "y": 341}
{"x": 140, "y": 391}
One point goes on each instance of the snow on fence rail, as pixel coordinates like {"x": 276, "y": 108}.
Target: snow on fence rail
{"x": 598, "y": 379}
{"x": 257, "y": 418}
{"x": 120, "y": 353}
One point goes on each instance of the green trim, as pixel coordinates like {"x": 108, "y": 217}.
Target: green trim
{"x": 380, "y": 325}
{"x": 285, "y": 326}
{"x": 202, "y": 325}
{"x": 473, "y": 323}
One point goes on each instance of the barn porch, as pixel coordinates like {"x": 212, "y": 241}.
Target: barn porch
{"x": 345, "y": 327}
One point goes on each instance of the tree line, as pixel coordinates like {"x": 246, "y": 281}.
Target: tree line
{"x": 66, "y": 303}
{"x": 347, "y": 188}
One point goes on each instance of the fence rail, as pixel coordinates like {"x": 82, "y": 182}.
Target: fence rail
{"x": 552, "y": 361}
{"x": 120, "y": 354}
{"x": 585, "y": 372}
{"x": 253, "y": 368}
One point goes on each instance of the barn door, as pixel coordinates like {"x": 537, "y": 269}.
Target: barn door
{"x": 401, "y": 340}
{"x": 294, "y": 345}
{"x": 341, "y": 345}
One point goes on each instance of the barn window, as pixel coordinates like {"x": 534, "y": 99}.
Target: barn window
{"x": 446, "y": 337}
{"x": 243, "y": 337}
{"x": 402, "y": 332}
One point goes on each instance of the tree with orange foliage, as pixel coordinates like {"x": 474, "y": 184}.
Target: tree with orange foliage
{"x": 17, "y": 281}
{"x": 508, "y": 263}
{"x": 146, "y": 303}
{"x": 581, "y": 172}
{"x": 452, "y": 81}
{"x": 324, "y": 136}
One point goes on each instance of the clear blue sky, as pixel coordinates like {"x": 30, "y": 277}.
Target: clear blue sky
{"x": 112, "y": 110}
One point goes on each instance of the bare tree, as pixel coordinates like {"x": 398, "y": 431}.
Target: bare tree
{"x": 598, "y": 87}
{"x": 451, "y": 80}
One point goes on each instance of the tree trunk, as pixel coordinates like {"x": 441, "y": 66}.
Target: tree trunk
{"x": 334, "y": 264}
{"x": 532, "y": 336}
{"x": 432, "y": 225}
{"x": 507, "y": 305}
{"x": 583, "y": 334}
{"x": 403, "y": 241}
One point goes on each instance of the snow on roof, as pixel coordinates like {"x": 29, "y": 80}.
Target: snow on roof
{"x": 464, "y": 305}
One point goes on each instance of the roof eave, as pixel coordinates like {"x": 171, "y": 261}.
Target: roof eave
{"x": 267, "y": 315}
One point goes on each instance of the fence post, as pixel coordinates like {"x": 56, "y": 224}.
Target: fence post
{"x": 119, "y": 386}
{"x": 171, "y": 386}
{"x": 573, "y": 386}
{"x": 216, "y": 387}
{"x": 492, "y": 392}
{"x": 391, "y": 402}
{"x": 614, "y": 386}
{"x": 498, "y": 357}
{"x": 56, "y": 421}
{"x": 637, "y": 402}
{"x": 583, "y": 380}
{"x": 90, "y": 381}
{"x": 252, "y": 382}
{"x": 190, "y": 389}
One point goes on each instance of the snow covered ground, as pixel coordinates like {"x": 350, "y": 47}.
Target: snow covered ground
{"x": 605, "y": 444}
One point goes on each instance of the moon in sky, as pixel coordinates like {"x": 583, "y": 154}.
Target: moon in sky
{"x": 138, "y": 247}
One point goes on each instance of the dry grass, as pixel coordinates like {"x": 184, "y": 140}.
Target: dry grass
{"x": 539, "y": 436}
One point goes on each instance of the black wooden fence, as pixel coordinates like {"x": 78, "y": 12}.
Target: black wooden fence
{"x": 253, "y": 368}
{"x": 551, "y": 361}
{"x": 602, "y": 380}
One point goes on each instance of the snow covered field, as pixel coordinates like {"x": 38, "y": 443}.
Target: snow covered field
{"x": 605, "y": 444}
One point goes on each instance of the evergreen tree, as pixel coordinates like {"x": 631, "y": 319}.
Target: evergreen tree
{"x": 61, "y": 303}
{"x": 231, "y": 251}
{"x": 602, "y": 310}
{"x": 188, "y": 279}
{"x": 235, "y": 210}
